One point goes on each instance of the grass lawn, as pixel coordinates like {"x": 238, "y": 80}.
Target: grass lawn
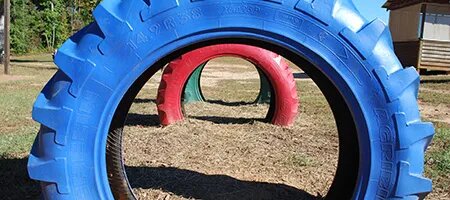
{"x": 220, "y": 147}
{"x": 434, "y": 97}
{"x": 18, "y": 130}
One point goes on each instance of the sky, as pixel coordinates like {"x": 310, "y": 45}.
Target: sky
{"x": 371, "y": 9}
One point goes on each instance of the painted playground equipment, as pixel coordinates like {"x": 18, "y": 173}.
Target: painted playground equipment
{"x": 285, "y": 102}
{"x": 382, "y": 140}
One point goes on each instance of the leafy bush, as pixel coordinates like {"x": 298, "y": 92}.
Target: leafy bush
{"x": 43, "y": 25}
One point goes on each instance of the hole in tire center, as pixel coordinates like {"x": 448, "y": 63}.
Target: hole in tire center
{"x": 201, "y": 159}
{"x": 230, "y": 87}
{"x": 230, "y": 80}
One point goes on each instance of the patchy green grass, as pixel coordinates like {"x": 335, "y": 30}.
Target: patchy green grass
{"x": 434, "y": 97}
{"x": 435, "y": 93}
{"x": 19, "y": 141}
{"x": 438, "y": 158}
{"x": 45, "y": 57}
{"x": 300, "y": 161}
{"x": 440, "y": 152}
{"x": 18, "y": 130}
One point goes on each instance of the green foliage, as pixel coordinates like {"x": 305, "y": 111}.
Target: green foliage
{"x": 85, "y": 9}
{"x": 24, "y": 22}
{"x": 43, "y": 25}
{"x": 54, "y": 28}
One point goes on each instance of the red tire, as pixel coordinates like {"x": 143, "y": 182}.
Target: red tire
{"x": 274, "y": 66}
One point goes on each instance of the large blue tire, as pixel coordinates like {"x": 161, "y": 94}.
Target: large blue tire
{"x": 82, "y": 109}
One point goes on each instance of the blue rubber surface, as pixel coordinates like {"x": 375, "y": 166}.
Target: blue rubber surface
{"x": 99, "y": 64}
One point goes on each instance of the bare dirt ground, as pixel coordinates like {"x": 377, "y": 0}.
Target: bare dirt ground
{"x": 439, "y": 113}
{"x": 8, "y": 78}
{"x": 225, "y": 151}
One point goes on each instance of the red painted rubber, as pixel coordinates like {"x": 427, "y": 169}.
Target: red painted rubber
{"x": 274, "y": 66}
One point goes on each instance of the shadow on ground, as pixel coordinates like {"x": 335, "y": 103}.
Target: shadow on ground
{"x": 436, "y": 81}
{"x": 219, "y": 102}
{"x": 31, "y": 61}
{"x": 301, "y": 76}
{"x": 14, "y": 181}
{"x": 37, "y": 67}
{"x": 195, "y": 185}
{"x": 233, "y": 104}
{"x": 144, "y": 120}
{"x": 138, "y": 100}
{"x": 15, "y": 184}
{"x": 134, "y": 119}
{"x": 228, "y": 120}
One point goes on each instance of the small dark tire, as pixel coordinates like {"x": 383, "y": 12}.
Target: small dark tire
{"x": 177, "y": 73}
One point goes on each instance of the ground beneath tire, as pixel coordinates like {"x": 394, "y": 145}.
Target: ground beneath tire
{"x": 8, "y": 78}
{"x": 225, "y": 150}
{"x": 438, "y": 113}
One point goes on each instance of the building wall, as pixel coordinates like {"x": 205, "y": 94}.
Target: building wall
{"x": 437, "y": 23}
{"x": 405, "y": 23}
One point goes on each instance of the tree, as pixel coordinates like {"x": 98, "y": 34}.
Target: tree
{"x": 43, "y": 25}
{"x": 82, "y": 12}
{"x": 24, "y": 33}
{"x": 55, "y": 28}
